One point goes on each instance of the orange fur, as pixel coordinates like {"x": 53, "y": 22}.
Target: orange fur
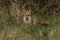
{"x": 34, "y": 19}
{"x": 42, "y": 22}
{"x": 38, "y": 21}
{"x": 26, "y": 14}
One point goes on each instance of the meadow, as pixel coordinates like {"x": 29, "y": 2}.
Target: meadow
{"x": 12, "y": 26}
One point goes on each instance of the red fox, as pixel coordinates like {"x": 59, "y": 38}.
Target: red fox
{"x": 28, "y": 18}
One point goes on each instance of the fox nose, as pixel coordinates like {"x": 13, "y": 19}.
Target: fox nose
{"x": 26, "y": 18}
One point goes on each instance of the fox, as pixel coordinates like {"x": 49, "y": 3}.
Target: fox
{"x": 28, "y": 18}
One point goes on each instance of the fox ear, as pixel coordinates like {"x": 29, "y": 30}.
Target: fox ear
{"x": 29, "y": 11}
{"x": 23, "y": 9}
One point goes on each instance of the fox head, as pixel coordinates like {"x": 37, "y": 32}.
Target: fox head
{"x": 27, "y": 17}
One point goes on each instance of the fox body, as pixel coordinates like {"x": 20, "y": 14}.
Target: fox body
{"x": 27, "y": 18}
{"x": 38, "y": 21}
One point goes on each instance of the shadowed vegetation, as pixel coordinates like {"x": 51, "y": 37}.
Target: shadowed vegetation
{"x": 13, "y": 28}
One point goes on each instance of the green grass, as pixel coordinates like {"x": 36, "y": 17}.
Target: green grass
{"x": 11, "y": 30}
{"x": 21, "y": 31}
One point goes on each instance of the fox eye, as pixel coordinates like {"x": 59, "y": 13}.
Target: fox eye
{"x": 25, "y": 15}
{"x": 28, "y": 15}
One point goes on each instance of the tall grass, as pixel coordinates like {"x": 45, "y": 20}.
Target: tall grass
{"x": 13, "y": 28}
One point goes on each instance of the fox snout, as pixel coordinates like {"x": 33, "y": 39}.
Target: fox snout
{"x": 27, "y": 18}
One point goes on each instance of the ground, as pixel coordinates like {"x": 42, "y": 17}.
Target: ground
{"x": 13, "y": 28}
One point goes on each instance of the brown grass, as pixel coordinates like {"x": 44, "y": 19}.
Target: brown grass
{"x": 13, "y": 28}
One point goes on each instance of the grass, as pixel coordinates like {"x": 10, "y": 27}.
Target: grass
{"x": 30, "y": 32}
{"x": 13, "y": 28}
